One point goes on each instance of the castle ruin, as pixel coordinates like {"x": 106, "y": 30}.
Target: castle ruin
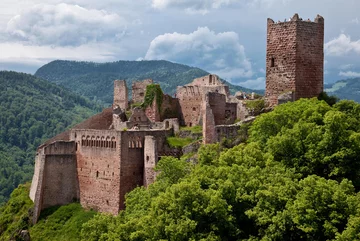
{"x": 101, "y": 159}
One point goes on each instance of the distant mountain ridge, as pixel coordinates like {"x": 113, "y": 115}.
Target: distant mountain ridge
{"x": 95, "y": 80}
{"x": 345, "y": 89}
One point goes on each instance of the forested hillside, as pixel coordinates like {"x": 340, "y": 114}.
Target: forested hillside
{"x": 95, "y": 80}
{"x": 296, "y": 178}
{"x": 31, "y": 111}
{"x": 346, "y": 89}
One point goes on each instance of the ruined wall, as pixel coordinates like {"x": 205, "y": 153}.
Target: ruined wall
{"x": 150, "y": 160}
{"x": 230, "y": 112}
{"x": 190, "y": 99}
{"x": 294, "y": 58}
{"x": 139, "y": 89}
{"x": 98, "y": 167}
{"x": 60, "y": 176}
{"x": 120, "y": 94}
{"x": 55, "y": 178}
{"x": 226, "y": 131}
{"x": 132, "y": 158}
{"x": 217, "y": 104}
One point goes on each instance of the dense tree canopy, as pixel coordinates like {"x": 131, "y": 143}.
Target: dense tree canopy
{"x": 31, "y": 111}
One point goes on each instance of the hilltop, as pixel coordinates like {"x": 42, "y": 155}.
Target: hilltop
{"x": 31, "y": 111}
{"x": 95, "y": 80}
{"x": 346, "y": 89}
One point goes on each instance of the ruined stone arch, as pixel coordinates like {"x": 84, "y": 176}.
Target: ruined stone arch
{"x": 87, "y": 142}
{"x": 97, "y": 144}
{"x": 83, "y": 140}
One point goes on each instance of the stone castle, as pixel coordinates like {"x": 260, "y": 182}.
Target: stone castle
{"x": 101, "y": 159}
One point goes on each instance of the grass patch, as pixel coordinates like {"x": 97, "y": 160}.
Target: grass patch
{"x": 14, "y": 215}
{"x": 61, "y": 223}
{"x": 193, "y": 129}
{"x": 178, "y": 142}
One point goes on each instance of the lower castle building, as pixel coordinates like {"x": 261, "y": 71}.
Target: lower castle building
{"x": 101, "y": 159}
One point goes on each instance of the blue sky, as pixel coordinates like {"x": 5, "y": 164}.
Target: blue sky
{"x": 225, "y": 37}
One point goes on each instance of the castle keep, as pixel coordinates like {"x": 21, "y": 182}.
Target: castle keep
{"x": 101, "y": 159}
{"x": 294, "y": 58}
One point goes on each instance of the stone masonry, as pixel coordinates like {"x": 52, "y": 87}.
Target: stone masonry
{"x": 138, "y": 90}
{"x": 294, "y": 58}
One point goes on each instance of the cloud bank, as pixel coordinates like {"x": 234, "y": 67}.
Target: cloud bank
{"x": 342, "y": 45}
{"x": 65, "y": 25}
{"x": 219, "y": 53}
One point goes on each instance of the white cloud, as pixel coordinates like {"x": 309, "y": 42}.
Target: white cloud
{"x": 257, "y": 84}
{"x": 191, "y": 6}
{"x": 355, "y": 20}
{"x": 342, "y": 45}
{"x": 349, "y": 74}
{"x": 218, "y": 53}
{"x": 38, "y": 55}
{"x": 346, "y": 66}
{"x": 65, "y": 25}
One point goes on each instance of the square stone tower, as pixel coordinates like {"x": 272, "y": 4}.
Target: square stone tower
{"x": 294, "y": 58}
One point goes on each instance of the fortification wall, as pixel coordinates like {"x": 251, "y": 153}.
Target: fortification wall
{"x": 139, "y": 89}
{"x": 98, "y": 168}
{"x": 190, "y": 99}
{"x": 121, "y": 94}
{"x": 132, "y": 158}
{"x": 226, "y": 131}
{"x": 208, "y": 80}
{"x": 309, "y": 58}
{"x": 55, "y": 178}
{"x": 217, "y": 104}
{"x": 230, "y": 112}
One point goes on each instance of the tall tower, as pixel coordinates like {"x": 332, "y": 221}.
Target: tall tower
{"x": 120, "y": 94}
{"x": 294, "y": 58}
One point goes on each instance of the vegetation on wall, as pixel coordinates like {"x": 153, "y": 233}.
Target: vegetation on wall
{"x": 153, "y": 91}
{"x": 31, "y": 111}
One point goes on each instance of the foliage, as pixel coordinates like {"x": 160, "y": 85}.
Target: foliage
{"x": 178, "y": 141}
{"x": 15, "y": 215}
{"x": 31, "y": 111}
{"x": 95, "y": 80}
{"x": 255, "y": 106}
{"x": 331, "y": 100}
{"x": 296, "y": 178}
{"x": 193, "y": 129}
{"x": 61, "y": 223}
{"x": 153, "y": 91}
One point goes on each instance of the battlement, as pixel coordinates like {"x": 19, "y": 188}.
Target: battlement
{"x": 318, "y": 20}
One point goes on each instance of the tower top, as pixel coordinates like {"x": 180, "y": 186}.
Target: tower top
{"x": 296, "y": 18}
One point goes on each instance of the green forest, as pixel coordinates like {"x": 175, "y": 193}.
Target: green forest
{"x": 96, "y": 80}
{"x": 31, "y": 111}
{"x": 296, "y": 177}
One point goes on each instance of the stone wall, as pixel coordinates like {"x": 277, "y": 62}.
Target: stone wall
{"x": 55, "y": 177}
{"x": 139, "y": 89}
{"x": 190, "y": 99}
{"x": 98, "y": 168}
{"x": 121, "y": 94}
{"x": 294, "y": 58}
{"x": 132, "y": 158}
